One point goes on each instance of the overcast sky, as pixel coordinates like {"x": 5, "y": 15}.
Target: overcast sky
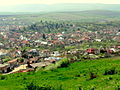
{"x": 16, "y": 2}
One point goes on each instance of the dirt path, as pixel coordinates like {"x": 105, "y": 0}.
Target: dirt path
{"x": 17, "y": 69}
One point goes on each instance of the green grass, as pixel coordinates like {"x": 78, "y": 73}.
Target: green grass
{"x": 101, "y": 74}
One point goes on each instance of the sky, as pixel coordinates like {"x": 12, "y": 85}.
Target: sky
{"x": 17, "y": 2}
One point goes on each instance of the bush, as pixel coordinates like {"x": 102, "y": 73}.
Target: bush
{"x": 92, "y": 75}
{"x": 110, "y": 71}
{"x": 21, "y": 60}
{"x": 51, "y": 67}
{"x": 63, "y": 63}
{"x": 59, "y": 64}
{"x": 2, "y": 77}
{"x": 32, "y": 86}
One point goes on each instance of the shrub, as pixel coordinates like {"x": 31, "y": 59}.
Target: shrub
{"x": 51, "y": 67}
{"x": 63, "y": 63}
{"x": 110, "y": 71}
{"x": 92, "y": 75}
{"x": 59, "y": 64}
{"x": 32, "y": 86}
{"x": 2, "y": 77}
{"x": 21, "y": 60}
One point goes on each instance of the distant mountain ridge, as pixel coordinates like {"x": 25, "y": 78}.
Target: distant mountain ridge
{"x": 101, "y": 12}
{"x": 60, "y": 7}
{"x": 76, "y": 16}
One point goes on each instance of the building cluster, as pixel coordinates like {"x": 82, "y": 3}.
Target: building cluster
{"x": 29, "y": 50}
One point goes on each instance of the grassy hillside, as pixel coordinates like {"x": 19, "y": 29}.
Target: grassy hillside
{"x": 102, "y": 74}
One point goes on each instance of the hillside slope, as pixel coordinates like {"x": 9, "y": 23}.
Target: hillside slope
{"x": 102, "y": 74}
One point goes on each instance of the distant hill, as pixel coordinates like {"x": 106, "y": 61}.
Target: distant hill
{"x": 59, "y": 7}
{"x": 76, "y": 16}
{"x": 89, "y": 15}
{"x": 101, "y": 12}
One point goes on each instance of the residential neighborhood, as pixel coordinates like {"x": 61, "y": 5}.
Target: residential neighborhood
{"x": 35, "y": 49}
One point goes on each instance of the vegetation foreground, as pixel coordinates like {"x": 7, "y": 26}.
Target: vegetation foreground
{"x": 101, "y": 74}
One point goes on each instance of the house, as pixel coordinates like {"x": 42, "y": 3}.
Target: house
{"x": 91, "y": 51}
{"x": 4, "y": 68}
{"x": 112, "y": 50}
{"x": 13, "y": 63}
{"x": 25, "y": 42}
{"x": 2, "y": 45}
{"x": 50, "y": 59}
{"x": 33, "y": 52}
{"x": 60, "y": 38}
{"x": 18, "y": 53}
{"x": 55, "y": 54}
{"x": 3, "y": 54}
{"x": 117, "y": 38}
{"x": 45, "y": 53}
{"x": 118, "y": 47}
{"x": 44, "y": 43}
{"x": 98, "y": 40}
{"x": 33, "y": 60}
